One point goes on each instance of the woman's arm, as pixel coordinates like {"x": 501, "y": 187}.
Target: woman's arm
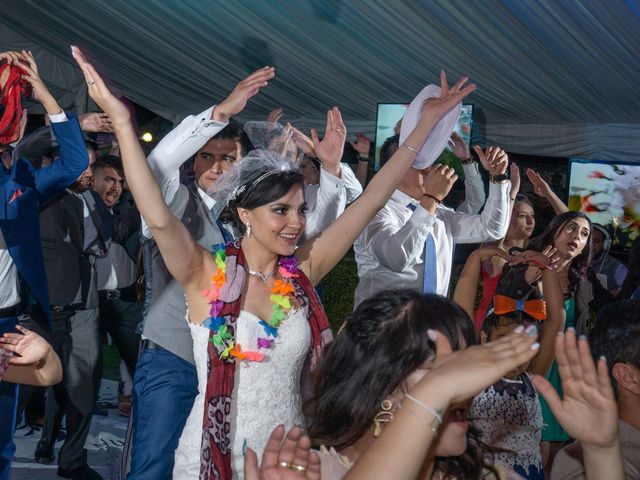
{"x": 554, "y": 299}
{"x": 542, "y": 189}
{"x": 34, "y": 361}
{"x": 467, "y": 285}
{"x": 183, "y": 257}
{"x": 320, "y": 254}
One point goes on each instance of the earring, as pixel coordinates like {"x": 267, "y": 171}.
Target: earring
{"x": 384, "y": 416}
{"x": 248, "y": 230}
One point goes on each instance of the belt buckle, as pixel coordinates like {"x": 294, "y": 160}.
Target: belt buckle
{"x": 113, "y": 294}
{"x": 57, "y": 308}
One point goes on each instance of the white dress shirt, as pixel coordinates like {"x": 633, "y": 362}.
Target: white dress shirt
{"x": 175, "y": 148}
{"x": 326, "y": 202}
{"x": 474, "y": 196}
{"x": 9, "y": 289}
{"x": 389, "y": 252}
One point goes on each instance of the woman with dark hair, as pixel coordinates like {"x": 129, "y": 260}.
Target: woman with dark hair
{"x": 382, "y": 352}
{"x": 570, "y": 234}
{"x": 259, "y": 321}
{"x": 521, "y": 227}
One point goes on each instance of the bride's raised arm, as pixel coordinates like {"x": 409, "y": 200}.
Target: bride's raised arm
{"x": 320, "y": 254}
{"x": 183, "y": 257}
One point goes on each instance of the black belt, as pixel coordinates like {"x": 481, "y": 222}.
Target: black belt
{"x": 151, "y": 345}
{"x": 126, "y": 294}
{"x": 9, "y": 311}
{"x": 66, "y": 308}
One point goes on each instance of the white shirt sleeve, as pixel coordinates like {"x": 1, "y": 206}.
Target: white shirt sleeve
{"x": 397, "y": 248}
{"x": 177, "y": 147}
{"x": 331, "y": 198}
{"x": 58, "y": 117}
{"x": 491, "y": 224}
{"x": 474, "y": 196}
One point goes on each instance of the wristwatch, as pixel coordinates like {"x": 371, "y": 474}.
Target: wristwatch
{"x": 499, "y": 178}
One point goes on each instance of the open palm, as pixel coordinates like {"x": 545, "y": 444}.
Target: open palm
{"x": 588, "y": 410}
{"x": 28, "y": 346}
{"x": 329, "y": 150}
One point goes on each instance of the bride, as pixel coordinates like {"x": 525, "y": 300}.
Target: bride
{"x": 253, "y": 300}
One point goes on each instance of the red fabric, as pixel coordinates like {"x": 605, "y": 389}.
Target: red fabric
{"x": 13, "y": 90}
{"x": 489, "y": 286}
{"x": 216, "y": 442}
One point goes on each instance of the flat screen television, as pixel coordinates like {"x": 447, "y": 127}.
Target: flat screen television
{"x": 609, "y": 193}
{"x": 389, "y": 114}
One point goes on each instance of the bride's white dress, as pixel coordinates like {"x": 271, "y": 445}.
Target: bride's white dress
{"x": 266, "y": 393}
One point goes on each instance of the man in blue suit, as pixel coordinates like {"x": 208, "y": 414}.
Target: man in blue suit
{"x": 23, "y": 281}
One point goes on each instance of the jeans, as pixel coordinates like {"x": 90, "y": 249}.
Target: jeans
{"x": 164, "y": 389}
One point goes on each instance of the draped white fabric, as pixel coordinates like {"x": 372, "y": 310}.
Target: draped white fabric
{"x": 555, "y": 78}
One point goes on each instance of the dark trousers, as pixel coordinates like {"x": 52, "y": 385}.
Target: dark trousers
{"x": 8, "y": 404}
{"x": 121, "y": 319}
{"x": 76, "y": 341}
{"x": 164, "y": 389}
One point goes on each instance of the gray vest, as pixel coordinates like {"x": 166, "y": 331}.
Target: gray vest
{"x": 165, "y": 321}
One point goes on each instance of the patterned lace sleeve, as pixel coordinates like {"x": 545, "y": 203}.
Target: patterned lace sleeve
{"x": 5, "y": 355}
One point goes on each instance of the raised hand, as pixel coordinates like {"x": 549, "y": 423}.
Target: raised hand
{"x": 331, "y": 148}
{"x": 275, "y": 115}
{"x": 39, "y": 90}
{"x": 12, "y": 58}
{"x": 545, "y": 259}
{"x": 587, "y": 410}
{"x": 362, "y": 145}
{"x": 437, "y": 181}
{"x": 303, "y": 142}
{"x": 240, "y": 95}
{"x": 459, "y": 147}
{"x": 493, "y": 159}
{"x": 100, "y": 93}
{"x": 95, "y": 122}
{"x": 436, "y": 108}
{"x": 458, "y": 376}
{"x": 28, "y": 346}
{"x": 540, "y": 187}
{"x": 288, "y": 460}
{"x": 514, "y": 176}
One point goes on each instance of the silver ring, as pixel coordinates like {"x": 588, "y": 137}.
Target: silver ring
{"x": 285, "y": 464}
{"x": 339, "y": 130}
{"x": 91, "y": 82}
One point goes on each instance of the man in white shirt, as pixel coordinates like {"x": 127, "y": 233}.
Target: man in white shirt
{"x": 390, "y": 252}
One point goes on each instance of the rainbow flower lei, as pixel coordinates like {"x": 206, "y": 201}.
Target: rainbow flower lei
{"x": 280, "y": 298}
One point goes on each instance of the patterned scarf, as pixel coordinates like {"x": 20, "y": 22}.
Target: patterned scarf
{"x": 215, "y": 459}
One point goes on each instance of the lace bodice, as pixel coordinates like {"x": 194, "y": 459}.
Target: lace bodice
{"x": 509, "y": 417}
{"x": 266, "y": 393}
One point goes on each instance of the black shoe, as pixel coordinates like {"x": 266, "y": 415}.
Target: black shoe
{"x": 85, "y": 472}
{"x": 44, "y": 451}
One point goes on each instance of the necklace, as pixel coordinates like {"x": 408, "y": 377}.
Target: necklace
{"x": 262, "y": 276}
{"x": 282, "y": 293}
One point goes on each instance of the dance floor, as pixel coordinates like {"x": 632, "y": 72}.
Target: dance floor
{"x": 104, "y": 445}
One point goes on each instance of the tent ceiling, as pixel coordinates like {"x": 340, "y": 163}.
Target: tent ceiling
{"x": 568, "y": 64}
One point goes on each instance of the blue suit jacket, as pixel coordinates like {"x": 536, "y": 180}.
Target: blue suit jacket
{"x": 23, "y": 189}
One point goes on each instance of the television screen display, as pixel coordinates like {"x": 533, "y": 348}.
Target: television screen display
{"x": 609, "y": 193}
{"x": 389, "y": 114}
